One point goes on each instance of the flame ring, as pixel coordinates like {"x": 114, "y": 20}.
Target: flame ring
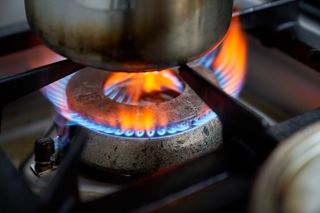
{"x": 85, "y": 97}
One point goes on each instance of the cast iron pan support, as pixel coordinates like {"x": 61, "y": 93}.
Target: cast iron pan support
{"x": 17, "y": 86}
{"x": 206, "y": 175}
{"x": 239, "y": 122}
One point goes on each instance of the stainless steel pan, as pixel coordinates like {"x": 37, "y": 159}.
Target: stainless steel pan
{"x": 130, "y": 35}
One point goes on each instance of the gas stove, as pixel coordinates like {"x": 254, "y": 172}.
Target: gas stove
{"x": 75, "y": 138}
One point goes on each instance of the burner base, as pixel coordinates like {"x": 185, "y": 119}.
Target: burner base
{"x": 134, "y": 155}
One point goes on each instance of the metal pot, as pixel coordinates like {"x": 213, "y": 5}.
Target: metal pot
{"x": 130, "y": 35}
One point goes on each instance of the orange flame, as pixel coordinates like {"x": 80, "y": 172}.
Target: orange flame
{"x": 140, "y": 89}
{"x": 232, "y": 58}
{"x": 141, "y": 119}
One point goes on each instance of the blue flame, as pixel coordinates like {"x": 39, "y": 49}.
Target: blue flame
{"x": 224, "y": 73}
{"x": 56, "y": 93}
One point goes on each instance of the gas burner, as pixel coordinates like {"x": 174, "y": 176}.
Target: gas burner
{"x": 155, "y": 134}
{"x": 136, "y": 137}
